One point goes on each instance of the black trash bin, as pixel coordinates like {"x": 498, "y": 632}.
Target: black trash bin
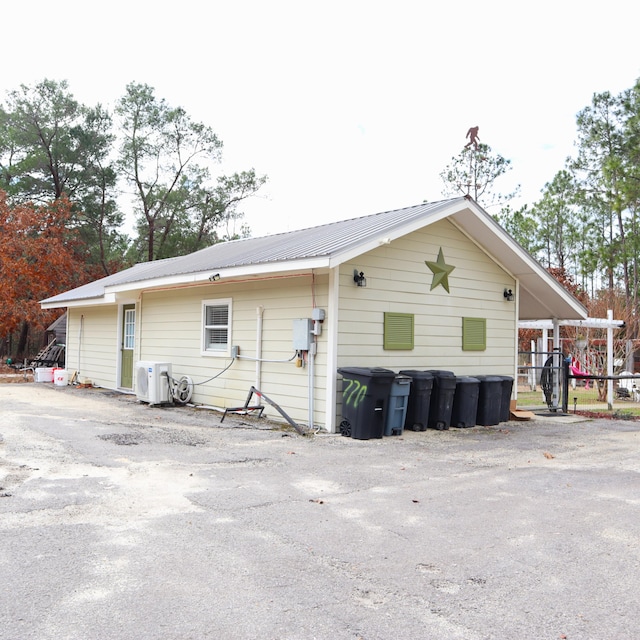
{"x": 505, "y": 404}
{"x": 441, "y": 405}
{"x": 489, "y": 400}
{"x": 397, "y": 406}
{"x": 365, "y": 393}
{"x": 419, "y": 399}
{"x": 465, "y": 402}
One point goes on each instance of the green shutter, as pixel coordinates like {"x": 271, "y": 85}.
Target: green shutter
{"x": 474, "y": 334}
{"x": 398, "y": 331}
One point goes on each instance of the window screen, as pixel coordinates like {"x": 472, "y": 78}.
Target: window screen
{"x": 216, "y": 326}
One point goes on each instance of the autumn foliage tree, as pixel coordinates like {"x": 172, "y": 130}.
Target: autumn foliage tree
{"x": 39, "y": 257}
{"x": 50, "y": 146}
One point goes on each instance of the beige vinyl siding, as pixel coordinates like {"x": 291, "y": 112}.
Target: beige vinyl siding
{"x": 399, "y": 280}
{"x": 172, "y": 332}
{"x": 96, "y": 346}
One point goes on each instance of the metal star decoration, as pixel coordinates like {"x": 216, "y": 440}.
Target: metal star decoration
{"x": 441, "y": 272}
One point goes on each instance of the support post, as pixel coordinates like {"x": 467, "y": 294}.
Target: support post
{"x": 556, "y": 365}
{"x": 610, "y": 359}
{"x": 565, "y": 384}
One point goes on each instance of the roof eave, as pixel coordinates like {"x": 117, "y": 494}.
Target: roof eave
{"x": 52, "y": 303}
{"x": 253, "y": 272}
{"x": 389, "y": 235}
{"x": 546, "y": 294}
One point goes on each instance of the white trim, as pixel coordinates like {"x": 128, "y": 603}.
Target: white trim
{"x": 591, "y": 323}
{"x": 107, "y": 298}
{"x": 332, "y": 351}
{"x": 389, "y": 235}
{"x": 120, "y": 341}
{"x": 216, "y": 302}
{"x": 203, "y": 277}
{"x": 528, "y": 266}
{"x": 516, "y": 346}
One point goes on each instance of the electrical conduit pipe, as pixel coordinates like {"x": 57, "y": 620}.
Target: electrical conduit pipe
{"x": 259, "y": 313}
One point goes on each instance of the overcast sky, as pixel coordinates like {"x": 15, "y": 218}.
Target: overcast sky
{"x": 350, "y": 107}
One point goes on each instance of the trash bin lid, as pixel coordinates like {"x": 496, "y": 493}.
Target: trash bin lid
{"x": 417, "y": 375}
{"x": 437, "y": 373}
{"x": 489, "y": 380}
{"x": 367, "y": 372}
{"x": 467, "y": 380}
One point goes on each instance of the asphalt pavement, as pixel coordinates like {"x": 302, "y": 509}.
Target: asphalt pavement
{"x": 123, "y": 521}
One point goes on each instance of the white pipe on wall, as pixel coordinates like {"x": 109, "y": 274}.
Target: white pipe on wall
{"x": 312, "y": 363}
{"x": 138, "y": 337}
{"x": 80, "y": 341}
{"x": 259, "y": 314}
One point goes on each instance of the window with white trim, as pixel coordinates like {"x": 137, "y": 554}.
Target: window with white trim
{"x": 216, "y": 327}
{"x": 129, "y": 337}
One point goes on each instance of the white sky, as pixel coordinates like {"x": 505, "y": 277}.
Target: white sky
{"x": 350, "y": 107}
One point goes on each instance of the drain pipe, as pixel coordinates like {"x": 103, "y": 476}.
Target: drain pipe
{"x": 259, "y": 314}
{"x": 312, "y": 362}
{"x": 80, "y": 342}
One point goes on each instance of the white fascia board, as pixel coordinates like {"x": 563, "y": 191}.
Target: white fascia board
{"x": 279, "y": 268}
{"x": 112, "y": 293}
{"x": 529, "y": 265}
{"x": 538, "y": 270}
{"x": 83, "y": 302}
{"x": 387, "y": 236}
{"x": 226, "y": 274}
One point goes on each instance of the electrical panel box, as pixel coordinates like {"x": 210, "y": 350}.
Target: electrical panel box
{"x": 302, "y": 329}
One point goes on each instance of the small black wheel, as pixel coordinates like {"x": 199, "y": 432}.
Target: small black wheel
{"x": 345, "y": 428}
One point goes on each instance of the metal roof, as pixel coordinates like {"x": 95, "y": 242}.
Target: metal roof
{"x": 326, "y": 246}
{"x": 314, "y": 242}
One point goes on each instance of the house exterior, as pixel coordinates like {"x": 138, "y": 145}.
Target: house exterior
{"x": 445, "y": 289}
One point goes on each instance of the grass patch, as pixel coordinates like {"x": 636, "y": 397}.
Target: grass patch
{"x": 584, "y": 402}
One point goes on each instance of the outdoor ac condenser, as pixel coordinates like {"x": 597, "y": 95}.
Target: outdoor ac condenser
{"x": 152, "y": 383}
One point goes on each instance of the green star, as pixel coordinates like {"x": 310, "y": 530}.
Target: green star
{"x": 441, "y": 272}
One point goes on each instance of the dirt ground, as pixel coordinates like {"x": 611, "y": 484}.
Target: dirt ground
{"x": 123, "y": 521}
{"x": 11, "y": 375}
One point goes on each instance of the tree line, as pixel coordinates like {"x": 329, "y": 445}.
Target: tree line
{"x": 70, "y": 172}
{"x": 76, "y": 168}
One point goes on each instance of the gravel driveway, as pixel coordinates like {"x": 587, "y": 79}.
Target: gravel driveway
{"x": 121, "y": 521}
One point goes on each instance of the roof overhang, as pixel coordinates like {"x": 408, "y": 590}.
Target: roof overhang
{"x": 94, "y": 301}
{"x": 540, "y": 294}
{"x": 247, "y": 273}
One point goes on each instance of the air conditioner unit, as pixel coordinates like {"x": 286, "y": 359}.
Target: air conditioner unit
{"x": 152, "y": 382}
